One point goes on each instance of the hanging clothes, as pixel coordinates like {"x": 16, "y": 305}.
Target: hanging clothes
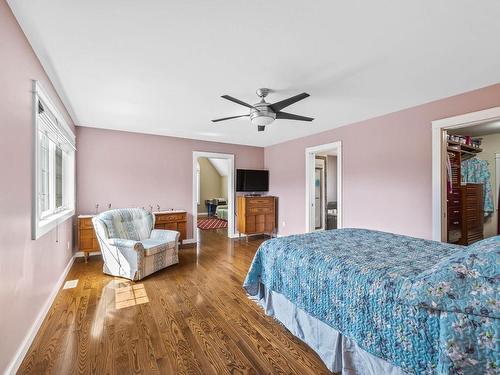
{"x": 475, "y": 171}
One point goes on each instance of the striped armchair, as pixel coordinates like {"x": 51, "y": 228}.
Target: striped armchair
{"x": 130, "y": 247}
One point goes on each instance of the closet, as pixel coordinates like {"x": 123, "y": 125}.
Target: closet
{"x": 465, "y": 201}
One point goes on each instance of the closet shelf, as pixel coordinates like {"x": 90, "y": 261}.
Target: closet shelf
{"x": 465, "y": 148}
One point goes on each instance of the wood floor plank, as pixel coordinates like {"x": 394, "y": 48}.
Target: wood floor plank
{"x": 198, "y": 321}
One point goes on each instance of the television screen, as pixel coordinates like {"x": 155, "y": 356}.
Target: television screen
{"x": 249, "y": 180}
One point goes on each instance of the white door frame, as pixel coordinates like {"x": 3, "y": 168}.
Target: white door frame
{"x": 310, "y": 156}
{"x": 438, "y": 153}
{"x": 230, "y": 190}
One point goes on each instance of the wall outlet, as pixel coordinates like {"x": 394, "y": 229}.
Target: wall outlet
{"x": 284, "y": 224}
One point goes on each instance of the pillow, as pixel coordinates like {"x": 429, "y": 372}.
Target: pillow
{"x": 466, "y": 281}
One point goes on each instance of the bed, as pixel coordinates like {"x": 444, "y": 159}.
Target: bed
{"x": 370, "y": 302}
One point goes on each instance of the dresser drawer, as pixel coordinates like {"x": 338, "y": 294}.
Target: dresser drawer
{"x": 87, "y": 233}
{"x": 261, "y": 210}
{"x": 455, "y": 202}
{"x": 166, "y": 218}
{"x": 455, "y": 193}
{"x": 86, "y": 244}
{"x": 253, "y": 202}
{"x": 86, "y": 223}
{"x": 454, "y": 213}
{"x": 454, "y": 224}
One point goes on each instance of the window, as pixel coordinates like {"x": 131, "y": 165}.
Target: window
{"x": 198, "y": 187}
{"x": 54, "y": 188}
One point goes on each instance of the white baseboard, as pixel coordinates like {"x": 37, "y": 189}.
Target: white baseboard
{"x": 202, "y": 213}
{"x": 188, "y": 241}
{"x": 30, "y": 336}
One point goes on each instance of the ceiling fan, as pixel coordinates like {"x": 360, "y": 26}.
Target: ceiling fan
{"x": 263, "y": 113}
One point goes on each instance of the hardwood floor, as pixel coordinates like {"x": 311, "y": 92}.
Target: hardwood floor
{"x": 196, "y": 319}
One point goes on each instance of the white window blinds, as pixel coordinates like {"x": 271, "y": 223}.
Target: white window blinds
{"x": 52, "y": 128}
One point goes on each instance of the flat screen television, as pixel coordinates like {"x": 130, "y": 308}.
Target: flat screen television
{"x": 252, "y": 181}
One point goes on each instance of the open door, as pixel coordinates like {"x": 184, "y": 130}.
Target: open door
{"x": 319, "y": 192}
{"x": 318, "y": 206}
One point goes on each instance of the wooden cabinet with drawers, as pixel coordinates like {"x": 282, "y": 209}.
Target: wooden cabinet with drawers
{"x": 464, "y": 203}
{"x": 172, "y": 221}
{"x": 465, "y": 214}
{"x": 473, "y": 214}
{"x": 256, "y": 215}
{"x": 87, "y": 240}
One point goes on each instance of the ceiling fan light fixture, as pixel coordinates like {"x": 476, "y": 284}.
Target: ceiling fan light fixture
{"x": 263, "y": 113}
{"x": 262, "y": 119}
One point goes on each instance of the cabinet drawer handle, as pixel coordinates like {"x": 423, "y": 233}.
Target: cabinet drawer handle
{"x": 455, "y": 222}
{"x": 456, "y": 212}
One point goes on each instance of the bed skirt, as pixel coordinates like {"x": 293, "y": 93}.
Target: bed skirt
{"x": 339, "y": 353}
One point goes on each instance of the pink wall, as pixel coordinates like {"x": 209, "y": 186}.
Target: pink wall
{"x": 29, "y": 269}
{"x": 138, "y": 170}
{"x": 386, "y": 167}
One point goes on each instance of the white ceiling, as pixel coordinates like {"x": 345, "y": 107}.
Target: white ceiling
{"x": 221, "y": 166}
{"x": 486, "y": 128}
{"x": 160, "y": 66}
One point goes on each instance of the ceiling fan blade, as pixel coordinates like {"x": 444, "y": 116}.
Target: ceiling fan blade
{"x": 234, "y": 100}
{"x": 285, "y": 103}
{"x": 291, "y": 116}
{"x": 228, "y": 118}
{"x": 261, "y": 128}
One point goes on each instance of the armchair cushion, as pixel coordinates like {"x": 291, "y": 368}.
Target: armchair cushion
{"x": 152, "y": 247}
{"x": 122, "y": 243}
{"x": 165, "y": 235}
{"x": 128, "y": 223}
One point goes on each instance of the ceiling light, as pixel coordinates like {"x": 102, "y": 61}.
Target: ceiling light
{"x": 263, "y": 119}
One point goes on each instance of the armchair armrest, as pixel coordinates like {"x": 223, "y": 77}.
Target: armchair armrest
{"x": 165, "y": 235}
{"x": 121, "y": 243}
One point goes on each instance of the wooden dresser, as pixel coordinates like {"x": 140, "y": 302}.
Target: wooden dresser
{"x": 87, "y": 240}
{"x": 472, "y": 213}
{"x": 256, "y": 215}
{"x": 464, "y": 211}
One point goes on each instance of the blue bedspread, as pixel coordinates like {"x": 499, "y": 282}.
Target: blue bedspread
{"x": 351, "y": 279}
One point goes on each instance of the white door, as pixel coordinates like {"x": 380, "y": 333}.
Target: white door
{"x": 310, "y": 178}
{"x": 319, "y": 194}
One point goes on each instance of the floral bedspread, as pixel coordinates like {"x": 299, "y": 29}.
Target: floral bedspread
{"x": 352, "y": 279}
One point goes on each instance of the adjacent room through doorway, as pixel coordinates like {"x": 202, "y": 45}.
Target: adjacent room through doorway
{"x": 323, "y": 187}
{"x": 472, "y": 182}
{"x": 213, "y": 191}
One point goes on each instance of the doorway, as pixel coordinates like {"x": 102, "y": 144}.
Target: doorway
{"x": 465, "y": 210}
{"x": 213, "y": 192}
{"x": 324, "y": 187}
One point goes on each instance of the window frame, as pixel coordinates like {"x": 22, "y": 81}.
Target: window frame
{"x": 43, "y": 222}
